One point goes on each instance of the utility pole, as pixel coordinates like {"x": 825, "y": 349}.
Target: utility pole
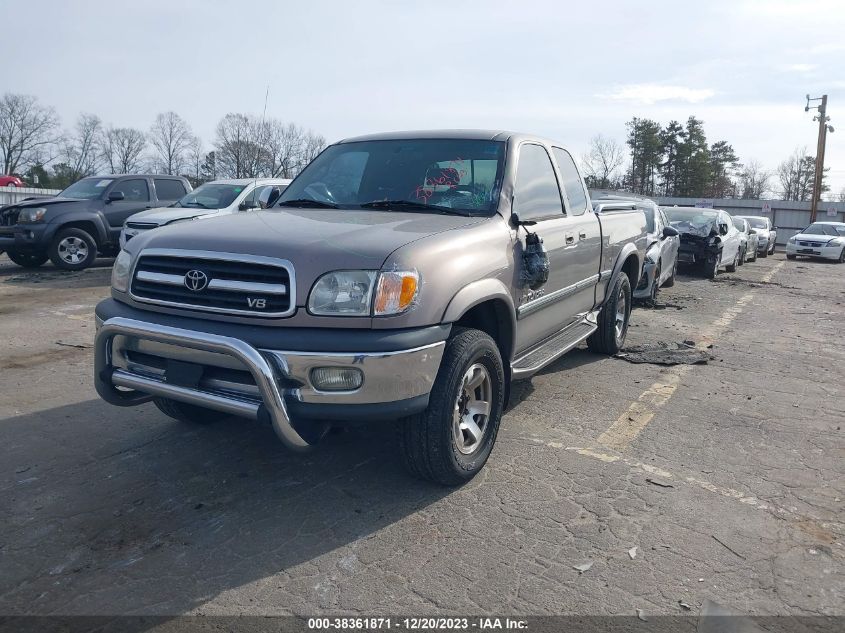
{"x": 822, "y": 118}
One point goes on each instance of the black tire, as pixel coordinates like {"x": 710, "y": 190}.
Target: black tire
{"x": 671, "y": 280}
{"x": 428, "y": 440}
{"x": 27, "y": 260}
{"x": 742, "y": 257}
{"x": 788, "y": 256}
{"x": 187, "y": 412}
{"x": 772, "y": 251}
{"x": 754, "y": 259}
{"x": 711, "y": 268}
{"x": 606, "y": 339}
{"x": 841, "y": 259}
{"x": 62, "y": 256}
{"x": 655, "y": 284}
{"x": 764, "y": 254}
{"x": 731, "y": 268}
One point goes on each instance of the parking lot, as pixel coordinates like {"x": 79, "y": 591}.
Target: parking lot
{"x": 667, "y": 485}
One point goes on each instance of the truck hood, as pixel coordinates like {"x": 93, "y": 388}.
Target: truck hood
{"x": 163, "y": 215}
{"x": 46, "y": 202}
{"x": 315, "y": 241}
{"x": 809, "y": 237}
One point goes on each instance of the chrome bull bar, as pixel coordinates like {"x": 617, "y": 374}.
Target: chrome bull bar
{"x": 108, "y": 378}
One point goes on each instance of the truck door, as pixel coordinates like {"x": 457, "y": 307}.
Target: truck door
{"x": 136, "y": 197}
{"x": 571, "y": 240}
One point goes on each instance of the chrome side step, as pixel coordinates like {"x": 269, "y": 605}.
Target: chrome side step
{"x": 552, "y": 348}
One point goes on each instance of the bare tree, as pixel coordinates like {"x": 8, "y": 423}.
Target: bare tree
{"x": 602, "y": 162}
{"x": 27, "y": 129}
{"x": 171, "y": 138}
{"x": 238, "y": 150}
{"x": 82, "y": 149}
{"x": 312, "y": 146}
{"x": 196, "y": 155}
{"x": 796, "y": 175}
{"x": 281, "y": 148}
{"x": 753, "y": 181}
{"x": 122, "y": 149}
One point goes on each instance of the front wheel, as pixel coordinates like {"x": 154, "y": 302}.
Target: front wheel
{"x": 671, "y": 281}
{"x": 711, "y": 268}
{"x": 731, "y": 268}
{"x": 27, "y": 260}
{"x": 788, "y": 256}
{"x": 841, "y": 259}
{"x": 73, "y": 249}
{"x": 754, "y": 258}
{"x": 613, "y": 319}
{"x": 450, "y": 441}
{"x": 742, "y": 257}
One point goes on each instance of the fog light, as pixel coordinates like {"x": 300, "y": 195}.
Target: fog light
{"x": 336, "y": 378}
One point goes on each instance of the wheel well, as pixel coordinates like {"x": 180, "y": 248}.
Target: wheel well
{"x": 492, "y": 317}
{"x": 630, "y": 269}
{"x": 88, "y": 227}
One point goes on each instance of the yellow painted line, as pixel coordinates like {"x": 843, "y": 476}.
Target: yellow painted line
{"x": 637, "y": 416}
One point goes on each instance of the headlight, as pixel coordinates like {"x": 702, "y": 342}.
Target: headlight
{"x": 363, "y": 293}
{"x": 29, "y": 216}
{"x": 120, "y": 271}
{"x": 396, "y": 291}
{"x": 791, "y": 240}
{"x": 343, "y": 293}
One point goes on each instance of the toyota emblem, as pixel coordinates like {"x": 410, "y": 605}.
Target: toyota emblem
{"x": 196, "y": 280}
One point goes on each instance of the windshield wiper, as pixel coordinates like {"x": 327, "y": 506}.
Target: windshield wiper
{"x": 409, "y": 205}
{"x": 196, "y": 204}
{"x": 308, "y": 202}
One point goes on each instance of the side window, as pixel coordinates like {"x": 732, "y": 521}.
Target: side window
{"x": 167, "y": 189}
{"x": 134, "y": 190}
{"x": 536, "y": 193}
{"x": 571, "y": 182}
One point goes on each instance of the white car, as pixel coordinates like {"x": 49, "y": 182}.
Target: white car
{"x": 750, "y": 240}
{"x": 821, "y": 239}
{"x": 766, "y": 233}
{"x": 709, "y": 239}
{"x": 213, "y": 199}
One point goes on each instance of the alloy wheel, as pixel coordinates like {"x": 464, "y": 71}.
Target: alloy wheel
{"x": 73, "y": 250}
{"x": 472, "y": 409}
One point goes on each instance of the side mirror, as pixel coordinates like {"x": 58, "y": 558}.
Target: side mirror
{"x": 116, "y": 196}
{"x": 268, "y": 197}
{"x": 723, "y": 229}
{"x": 246, "y": 205}
{"x": 517, "y": 222}
{"x": 670, "y": 231}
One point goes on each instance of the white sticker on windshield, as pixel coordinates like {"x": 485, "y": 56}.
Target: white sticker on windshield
{"x": 103, "y": 183}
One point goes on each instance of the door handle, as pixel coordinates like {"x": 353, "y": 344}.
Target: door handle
{"x": 570, "y": 239}
{"x": 582, "y": 235}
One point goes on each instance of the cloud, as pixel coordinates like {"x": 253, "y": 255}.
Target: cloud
{"x": 799, "y": 68}
{"x": 650, "y": 94}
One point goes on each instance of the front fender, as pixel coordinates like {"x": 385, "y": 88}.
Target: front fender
{"x": 627, "y": 251}
{"x": 96, "y": 218}
{"x": 475, "y": 293}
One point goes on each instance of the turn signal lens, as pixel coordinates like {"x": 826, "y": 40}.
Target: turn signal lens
{"x": 396, "y": 292}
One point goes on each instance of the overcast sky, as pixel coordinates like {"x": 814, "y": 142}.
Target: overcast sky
{"x": 561, "y": 69}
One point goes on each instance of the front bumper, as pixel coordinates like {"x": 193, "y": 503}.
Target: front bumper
{"x": 824, "y": 252}
{"x": 643, "y": 289}
{"x": 25, "y": 237}
{"x": 133, "y": 359}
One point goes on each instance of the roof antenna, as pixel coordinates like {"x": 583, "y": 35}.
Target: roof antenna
{"x": 258, "y": 145}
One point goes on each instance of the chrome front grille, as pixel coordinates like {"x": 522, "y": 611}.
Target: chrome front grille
{"x": 227, "y": 283}
{"x": 141, "y": 225}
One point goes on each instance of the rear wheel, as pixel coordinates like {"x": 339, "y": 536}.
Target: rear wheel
{"x": 27, "y": 260}
{"x": 450, "y": 441}
{"x": 187, "y": 412}
{"x": 613, "y": 319}
{"x": 788, "y": 256}
{"x": 73, "y": 249}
